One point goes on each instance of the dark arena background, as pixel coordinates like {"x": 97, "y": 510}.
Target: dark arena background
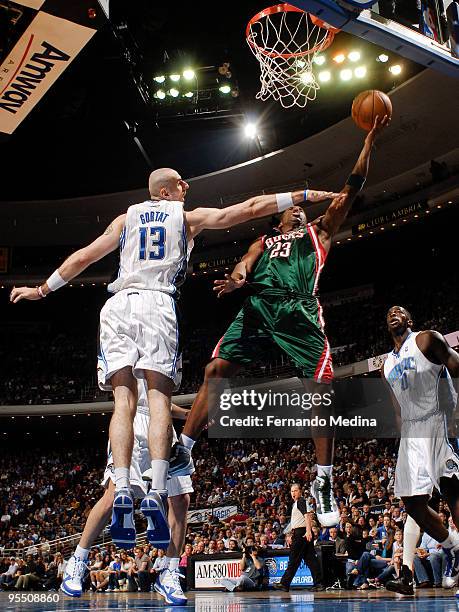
{"x": 93, "y": 97}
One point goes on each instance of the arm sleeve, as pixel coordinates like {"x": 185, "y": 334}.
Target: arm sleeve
{"x": 302, "y": 506}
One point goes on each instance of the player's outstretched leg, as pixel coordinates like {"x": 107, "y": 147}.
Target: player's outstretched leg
{"x": 76, "y": 568}
{"x": 404, "y": 584}
{"x": 154, "y": 509}
{"x": 168, "y": 582}
{"x": 322, "y": 487}
{"x": 181, "y": 462}
{"x": 122, "y": 528}
{"x": 417, "y": 507}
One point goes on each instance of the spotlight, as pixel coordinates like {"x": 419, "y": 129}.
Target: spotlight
{"x": 339, "y": 59}
{"x": 225, "y": 89}
{"x": 383, "y": 58}
{"x": 360, "y": 72}
{"x": 188, "y": 74}
{"x": 396, "y": 69}
{"x": 324, "y": 76}
{"x": 346, "y": 75}
{"x": 354, "y": 56}
{"x": 160, "y": 94}
{"x": 320, "y": 60}
{"x": 300, "y": 63}
{"x": 174, "y": 77}
{"x": 250, "y": 130}
{"x": 307, "y": 77}
{"x": 174, "y": 92}
{"x": 188, "y": 94}
{"x": 160, "y": 79}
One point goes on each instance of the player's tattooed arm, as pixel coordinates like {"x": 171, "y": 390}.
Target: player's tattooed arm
{"x": 76, "y": 263}
{"x": 238, "y": 276}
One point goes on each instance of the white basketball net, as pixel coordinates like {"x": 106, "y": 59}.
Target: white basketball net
{"x": 289, "y": 80}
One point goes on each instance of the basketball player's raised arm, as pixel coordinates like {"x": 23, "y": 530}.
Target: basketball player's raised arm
{"x": 75, "y": 264}
{"x": 238, "y": 276}
{"x": 260, "y": 206}
{"x": 337, "y": 212}
{"x": 437, "y": 350}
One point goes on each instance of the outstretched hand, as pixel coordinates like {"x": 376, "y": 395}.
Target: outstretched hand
{"x": 378, "y": 126}
{"x": 227, "y": 285}
{"x": 24, "y": 293}
{"x": 320, "y": 196}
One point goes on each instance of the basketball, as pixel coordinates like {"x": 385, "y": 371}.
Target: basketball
{"x": 367, "y": 105}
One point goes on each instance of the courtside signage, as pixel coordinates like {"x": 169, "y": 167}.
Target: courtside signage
{"x": 37, "y": 60}
{"x": 222, "y": 512}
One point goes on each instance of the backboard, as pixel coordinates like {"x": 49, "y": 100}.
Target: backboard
{"x": 428, "y": 35}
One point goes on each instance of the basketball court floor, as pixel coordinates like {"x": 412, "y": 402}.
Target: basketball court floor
{"x": 427, "y": 600}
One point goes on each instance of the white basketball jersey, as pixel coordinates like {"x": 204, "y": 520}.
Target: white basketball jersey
{"x": 415, "y": 382}
{"x": 153, "y": 247}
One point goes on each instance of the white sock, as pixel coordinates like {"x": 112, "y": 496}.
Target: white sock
{"x": 81, "y": 553}
{"x": 159, "y": 469}
{"x": 121, "y": 478}
{"x": 174, "y": 563}
{"x": 186, "y": 441}
{"x": 411, "y": 534}
{"x": 452, "y": 541}
{"x": 324, "y": 470}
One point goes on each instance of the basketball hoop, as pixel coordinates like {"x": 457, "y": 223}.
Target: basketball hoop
{"x": 285, "y": 40}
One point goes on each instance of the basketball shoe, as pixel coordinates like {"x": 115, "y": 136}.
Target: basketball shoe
{"x": 168, "y": 586}
{"x": 181, "y": 462}
{"x": 72, "y": 582}
{"x": 153, "y": 508}
{"x": 404, "y": 584}
{"x": 122, "y": 528}
{"x": 326, "y": 507}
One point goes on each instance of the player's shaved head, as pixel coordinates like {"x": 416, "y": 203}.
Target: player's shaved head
{"x": 162, "y": 178}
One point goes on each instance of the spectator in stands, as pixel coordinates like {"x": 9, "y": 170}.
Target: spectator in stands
{"x": 127, "y": 565}
{"x": 429, "y": 556}
{"x": 32, "y": 576}
{"x": 142, "y": 567}
{"x": 252, "y": 570}
{"x": 114, "y": 571}
{"x": 7, "y": 577}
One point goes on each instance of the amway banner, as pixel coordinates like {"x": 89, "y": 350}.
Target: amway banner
{"x": 37, "y": 60}
{"x": 222, "y": 512}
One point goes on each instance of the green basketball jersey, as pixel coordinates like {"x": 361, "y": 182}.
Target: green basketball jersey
{"x": 290, "y": 262}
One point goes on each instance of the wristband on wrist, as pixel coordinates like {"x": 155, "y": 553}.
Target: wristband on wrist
{"x": 40, "y": 292}
{"x": 55, "y": 281}
{"x": 284, "y": 201}
{"x": 305, "y": 195}
{"x": 356, "y": 180}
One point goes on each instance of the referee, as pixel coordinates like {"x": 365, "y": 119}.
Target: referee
{"x": 302, "y": 547}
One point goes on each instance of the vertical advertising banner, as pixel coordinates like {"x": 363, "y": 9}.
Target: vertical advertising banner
{"x": 46, "y": 48}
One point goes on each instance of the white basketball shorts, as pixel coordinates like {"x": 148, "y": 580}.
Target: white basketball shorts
{"x": 140, "y": 463}
{"x": 421, "y": 463}
{"x": 139, "y": 328}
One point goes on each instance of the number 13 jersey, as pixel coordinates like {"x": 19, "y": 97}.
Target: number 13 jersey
{"x": 154, "y": 251}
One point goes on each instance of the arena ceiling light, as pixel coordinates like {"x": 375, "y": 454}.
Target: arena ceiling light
{"x": 396, "y": 69}
{"x": 324, "y": 76}
{"x": 188, "y": 74}
{"x": 354, "y": 56}
{"x": 383, "y": 58}
{"x": 225, "y": 89}
{"x": 188, "y": 94}
{"x": 360, "y": 72}
{"x": 250, "y": 130}
{"x": 160, "y": 94}
{"x": 346, "y": 74}
{"x": 174, "y": 77}
{"x": 173, "y": 92}
{"x": 339, "y": 59}
{"x": 160, "y": 78}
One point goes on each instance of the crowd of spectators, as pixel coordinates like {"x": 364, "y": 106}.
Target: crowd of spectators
{"x": 45, "y": 373}
{"x": 48, "y": 499}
